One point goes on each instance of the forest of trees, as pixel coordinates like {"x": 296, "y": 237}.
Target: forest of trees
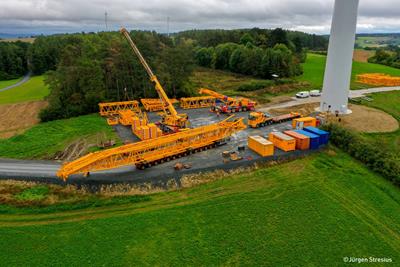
{"x": 277, "y": 56}
{"x": 13, "y": 60}
{"x": 85, "y": 69}
{"x": 262, "y": 38}
{"x": 391, "y": 57}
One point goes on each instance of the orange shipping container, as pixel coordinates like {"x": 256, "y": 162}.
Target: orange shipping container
{"x": 300, "y": 123}
{"x": 261, "y": 145}
{"x": 302, "y": 141}
{"x": 282, "y": 141}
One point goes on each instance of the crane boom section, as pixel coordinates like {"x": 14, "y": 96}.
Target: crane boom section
{"x": 160, "y": 90}
{"x": 153, "y": 150}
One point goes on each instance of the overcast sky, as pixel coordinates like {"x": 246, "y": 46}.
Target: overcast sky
{"x": 51, "y": 16}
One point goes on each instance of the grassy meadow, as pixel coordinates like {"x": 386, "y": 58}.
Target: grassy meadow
{"x": 313, "y": 211}
{"x": 45, "y": 139}
{"x": 32, "y": 90}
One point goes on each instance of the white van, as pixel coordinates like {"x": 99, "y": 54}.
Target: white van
{"x": 303, "y": 94}
{"x": 315, "y": 93}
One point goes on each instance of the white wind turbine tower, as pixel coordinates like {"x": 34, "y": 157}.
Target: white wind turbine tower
{"x": 336, "y": 87}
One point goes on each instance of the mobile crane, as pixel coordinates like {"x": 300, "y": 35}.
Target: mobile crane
{"x": 229, "y": 104}
{"x": 171, "y": 121}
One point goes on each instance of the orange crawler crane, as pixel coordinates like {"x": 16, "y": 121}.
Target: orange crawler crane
{"x": 229, "y": 104}
{"x": 171, "y": 121}
{"x": 152, "y": 152}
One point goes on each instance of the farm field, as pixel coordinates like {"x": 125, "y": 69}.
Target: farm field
{"x": 42, "y": 141}
{"x": 315, "y": 66}
{"x": 32, "y": 90}
{"x": 293, "y": 214}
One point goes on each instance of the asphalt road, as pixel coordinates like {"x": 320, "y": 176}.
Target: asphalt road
{"x": 24, "y": 80}
{"x": 206, "y": 160}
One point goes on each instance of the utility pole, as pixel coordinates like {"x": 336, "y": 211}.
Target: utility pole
{"x": 168, "y": 26}
{"x": 105, "y": 20}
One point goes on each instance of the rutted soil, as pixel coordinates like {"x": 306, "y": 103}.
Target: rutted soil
{"x": 16, "y": 118}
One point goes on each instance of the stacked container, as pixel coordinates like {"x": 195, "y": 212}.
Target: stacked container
{"x": 282, "y": 141}
{"x": 314, "y": 139}
{"x": 323, "y": 135}
{"x": 300, "y": 123}
{"x": 302, "y": 141}
{"x": 261, "y": 146}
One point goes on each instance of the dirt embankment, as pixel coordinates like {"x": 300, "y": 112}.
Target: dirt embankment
{"x": 363, "y": 119}
{"x": 362, "y": 55}
{"x": 16, "y": 118}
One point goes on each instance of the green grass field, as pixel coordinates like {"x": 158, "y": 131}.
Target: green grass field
{"x": 45, "y": 139}
{"x": 32, "y": 90}
{"x": 4, "y": 84}
{"x": 390, "y": 103}
{"x": 315, "y": 66}
{"x": 313, "y": 211}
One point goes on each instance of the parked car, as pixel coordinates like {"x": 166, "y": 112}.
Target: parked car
{"x": 315, "y": 93}
{"x": 303, "y": 94}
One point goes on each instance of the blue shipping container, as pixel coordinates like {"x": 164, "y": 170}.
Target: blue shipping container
{"x": 314, "y": 139}
{"x": 323, "y": 135}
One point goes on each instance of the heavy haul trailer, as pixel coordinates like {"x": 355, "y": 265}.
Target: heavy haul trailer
{"x": 260, "y": 119}
{"x": 197, "y": 102}
{"x": 229, "y": 104}
{"x": 156, "y": 151}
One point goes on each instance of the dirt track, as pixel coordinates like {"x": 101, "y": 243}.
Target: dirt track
{"x": 16, "y": 118}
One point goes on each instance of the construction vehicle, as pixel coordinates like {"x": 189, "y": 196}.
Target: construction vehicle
{"x": 155, "y": 104}
{"x": 148, "y": 153}
{"x": 261, "y": 119}
{"x": 229, "y": 104}
{"x": 171, "y": 121}
{"x": 197, "y": 102}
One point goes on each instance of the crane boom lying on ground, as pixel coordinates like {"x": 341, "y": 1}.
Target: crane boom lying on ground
{"x": 152, "y": 152}
{"x": 171, "y": 118}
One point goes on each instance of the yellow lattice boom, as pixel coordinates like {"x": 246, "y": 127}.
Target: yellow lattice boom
{"x": 197, "y": 102}
{"x": 154, "y": 104}
{"x": 151, "y": 152}
{"x": 379, "y": 79}
{"x": 112, "y": 108}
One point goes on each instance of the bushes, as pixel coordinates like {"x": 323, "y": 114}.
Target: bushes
{"x": 13, "y": 60}
{"x": 385, "y": 58}
{"x": 254, "y": 86}
{"x": 375, "y": 157}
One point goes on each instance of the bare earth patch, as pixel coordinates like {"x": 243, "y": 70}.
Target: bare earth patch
{"x": 363, "y": 119}
{"x": 16, "y": 118}
{"x": 361, "y": 55}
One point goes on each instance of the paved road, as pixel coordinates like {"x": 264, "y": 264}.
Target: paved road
{"x": 24, "y": 80}
{"x": 353, "y": 94}
{"x": 46, "y": 170}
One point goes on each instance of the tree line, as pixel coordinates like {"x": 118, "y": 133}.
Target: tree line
{"x": 13, "y": 59}
{"x": 281, "y": 57}
{"x": 85, "y": 69}
{"x": 389, "y": 58}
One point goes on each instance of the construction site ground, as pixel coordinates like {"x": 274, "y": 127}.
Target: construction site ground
{"x": 202, "y": 161}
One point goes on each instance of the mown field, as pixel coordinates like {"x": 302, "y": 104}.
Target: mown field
{"x": 228, "y": 83}
{"x": 45, "y": 139}
{"x": 390, "y": 103}
{"x": 32, "y": 90}
{"x": 313, "y": 211}
{"x": 315, "y": 66}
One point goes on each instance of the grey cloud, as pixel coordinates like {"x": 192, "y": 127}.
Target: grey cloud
{"x": 45, "y": 16}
